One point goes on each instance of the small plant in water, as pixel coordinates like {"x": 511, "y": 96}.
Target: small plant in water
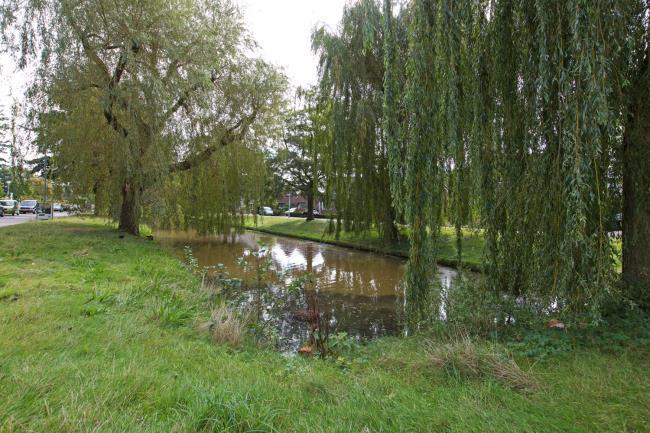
{"x": 191, "y": 262}
{"x": 319, "y": 322}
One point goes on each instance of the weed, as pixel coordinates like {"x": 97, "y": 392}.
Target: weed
{"x": 97, "y": 303}
{"x": 540, "y": 345}
{"x": 191, "y": 262}
{"x": 217, "y": 414}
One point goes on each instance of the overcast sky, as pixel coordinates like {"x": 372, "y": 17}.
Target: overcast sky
{"x": 283, "y": 30}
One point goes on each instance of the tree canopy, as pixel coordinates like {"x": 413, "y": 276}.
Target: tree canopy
{"x": 135, "y": 96}
{"x": 535, "y": 97}
{"x": 351, "y": 69}
{"x": 297, "y": 159}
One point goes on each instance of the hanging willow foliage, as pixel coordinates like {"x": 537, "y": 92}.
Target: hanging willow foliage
{"x": 516, "y": 113}
{"x": 355, "y": 159}
{"x": 559, "y": 86}
{"x": 439, "y": 82}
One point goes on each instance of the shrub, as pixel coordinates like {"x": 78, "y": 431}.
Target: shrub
{"x": 467, "y": 359}
{"x": 226, "y": 326}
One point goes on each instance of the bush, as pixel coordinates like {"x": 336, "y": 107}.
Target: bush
{"x": 467, "y": 359}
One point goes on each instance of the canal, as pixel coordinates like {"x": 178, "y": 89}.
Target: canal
{"x": 359, "y": 292}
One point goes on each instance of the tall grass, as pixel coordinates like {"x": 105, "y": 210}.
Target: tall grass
{"x": 226, "y": 326}
{"x": 466, "y": 358}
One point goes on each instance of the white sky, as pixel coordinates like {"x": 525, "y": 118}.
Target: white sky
{"x": 282, "y": 29}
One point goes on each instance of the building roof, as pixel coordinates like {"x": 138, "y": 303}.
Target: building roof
{"x": 295, "y": 199}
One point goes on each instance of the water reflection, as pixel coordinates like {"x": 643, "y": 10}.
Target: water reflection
{"x": 360, "y": 291}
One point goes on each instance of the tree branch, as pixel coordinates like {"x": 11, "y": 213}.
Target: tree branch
{"x": 89, "y": 50}
{"x": 182, "y": 100}
{"x": 229, "y": 137}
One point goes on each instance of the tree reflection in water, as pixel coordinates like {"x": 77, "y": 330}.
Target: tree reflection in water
{"x": 360, "y": 292}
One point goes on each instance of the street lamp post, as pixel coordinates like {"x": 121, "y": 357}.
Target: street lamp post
{"x": 45, "y": 187}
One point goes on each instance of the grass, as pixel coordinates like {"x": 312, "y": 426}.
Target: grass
{"x": 317, "y": 230}
{"x": 98, "y": 334}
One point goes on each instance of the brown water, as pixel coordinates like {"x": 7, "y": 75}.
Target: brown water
{"x": 360, "y": 291}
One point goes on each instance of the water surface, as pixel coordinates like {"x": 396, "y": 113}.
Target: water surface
{"x": 361, "y": 292}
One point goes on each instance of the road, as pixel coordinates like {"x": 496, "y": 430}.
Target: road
{"x": 9, "y": 220}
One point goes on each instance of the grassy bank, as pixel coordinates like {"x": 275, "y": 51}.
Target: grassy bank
{"x": 97, "y": 334}
{"x": 317, "y": 230}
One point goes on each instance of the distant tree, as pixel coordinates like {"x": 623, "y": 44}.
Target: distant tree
{"x": 147, "y": 95}
{"x": 13, "y": 174}
{"x": 297, "y": 159}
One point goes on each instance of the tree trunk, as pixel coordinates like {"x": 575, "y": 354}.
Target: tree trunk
{"x": 391, "y": 234}
{"x": 636, "y": 193}
{"x": 310, "y": 204}
{"x": 130, "y": 212}
{"x": 98, "y": 206}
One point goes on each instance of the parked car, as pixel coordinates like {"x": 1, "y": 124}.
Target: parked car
{"x": 265, "y": 210}
{"x": 316, "y": 213}
{"x": 8, "y": 207}
{"x": 57, "y": 207}
{"x": 295, "y": 211}
{"x": 300, "y": 212}
{"x": 29, "y": 206}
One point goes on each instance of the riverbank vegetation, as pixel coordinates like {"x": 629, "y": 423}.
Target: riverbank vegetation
{"x": 322, "y": 230}
{"x": 99, "y": 334}
{"x": 522, "y": 120}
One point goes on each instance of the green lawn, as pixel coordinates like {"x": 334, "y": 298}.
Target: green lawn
{"x": 317, "y": 230}
{"x": 97, "y": 334}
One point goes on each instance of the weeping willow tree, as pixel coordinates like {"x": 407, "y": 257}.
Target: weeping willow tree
{"x": 159, "y": 87}
{"x": 428, "y": 119}
{"x": 561, "y": 81}
{"x": 522, "y": 110}
{"x": 351, "y": 70}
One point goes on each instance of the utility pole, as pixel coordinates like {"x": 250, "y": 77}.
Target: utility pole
{"x": 45, "y": 182}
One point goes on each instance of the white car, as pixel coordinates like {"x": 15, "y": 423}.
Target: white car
{"x": 8, "y": 207}
{"x": 266, "y": 210}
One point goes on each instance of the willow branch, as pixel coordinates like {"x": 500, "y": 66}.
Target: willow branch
{"x": 232, "y": 134}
